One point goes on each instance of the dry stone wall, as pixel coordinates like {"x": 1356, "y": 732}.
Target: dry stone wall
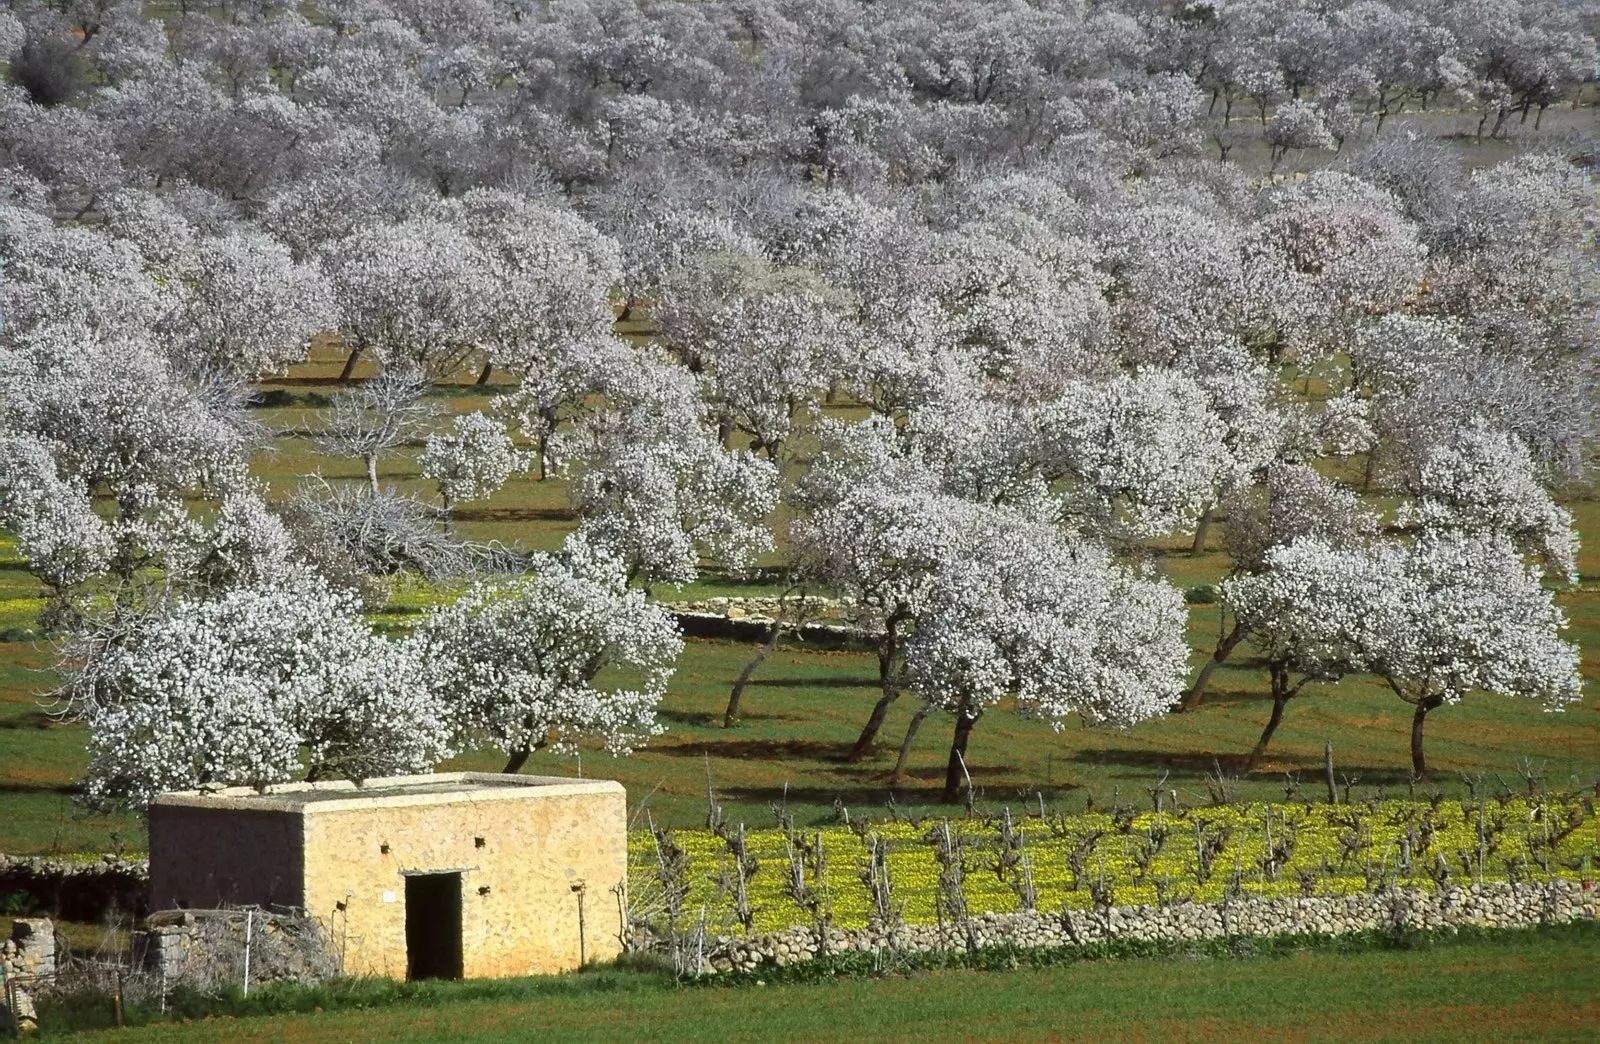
{"x": 207, "y": 948}
{"x": 1487, "y": 906}
{"x": 27, "y": 963}
{"x": 77, "y": 890}
{"x": 748, "y": 619}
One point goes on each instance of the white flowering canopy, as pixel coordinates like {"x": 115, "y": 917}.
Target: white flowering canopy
{"x": 519, "y": 662}
{"x": 260, "y": 685}
{"x": 1146, "y": 451}
{"x": 660, "y": 506}
{"x": 1468, "y": 614}
{"x": 1024, "y": 612}
{"x": 88, "y": 413}
{"x": 1309, "y": 604}
{"x": 416, "y": 294}
{"x": 472, "y": 460}
{"x": 1485, "y": 482}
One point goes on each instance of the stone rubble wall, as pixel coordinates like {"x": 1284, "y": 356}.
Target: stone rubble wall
{"x": 1486, "y": 905}
{"x": 27, "y": 962}
{"x": 206, "y": 948}
{"x": 77, "y": 891}
{"x": 765, "y": 608}
{"x": 748, "y": 619}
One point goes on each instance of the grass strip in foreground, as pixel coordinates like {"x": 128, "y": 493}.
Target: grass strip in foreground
{"x": 1534, "y": 984}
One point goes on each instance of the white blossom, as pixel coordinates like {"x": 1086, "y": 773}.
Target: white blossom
{"x": 261, "y": 685}
{"x": 1053, "y": 622}
{"x": 1484, "y": 483}
{"x": 1147, "y": 447}
{"x": 516, "y": 662}
{"x": 472, "y": 460}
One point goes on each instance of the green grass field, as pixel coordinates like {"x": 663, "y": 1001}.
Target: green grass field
{"x": 807, "y": 705}
{"x": 1522, "y": 986}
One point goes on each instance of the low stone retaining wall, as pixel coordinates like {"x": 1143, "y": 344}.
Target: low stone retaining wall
{"x": 77, "y": 891}
{"x": 207, "y": 948}
{"x": 750, "y": 620}
{"x": 764, "y": 607}
{"x": 1488, "y": 906}
{"x": 756, "y": 628}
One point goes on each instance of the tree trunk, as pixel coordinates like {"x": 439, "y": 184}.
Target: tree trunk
{"x": 905, "y": 744}
{"x": 372, "y": 472}
{"x": 519, "y": 757}
{"x": 1419, "y": 766}
{"x": 1201, "y": 531}
{"x": 483, "y": 374}
{"x": 956, "y": 769}
{"x": 880, "y": 710}
{"x": 887, "y": 650}
{"x": 731, "y": 715}
{"x": 1230, "y": 642}
{"x": 1281, "y": 694}
{"x": 349, "y": 365}
{"x": 1327, "y": 771}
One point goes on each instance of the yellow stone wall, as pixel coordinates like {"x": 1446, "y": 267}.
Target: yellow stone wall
{"x": 537, "y": 847}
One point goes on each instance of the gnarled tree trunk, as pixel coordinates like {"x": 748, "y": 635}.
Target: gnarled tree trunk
{"x": 1202, "y": 529}
{"x": 869, "y": 734}
{"x": 1282, "y": 693}
{"x": 1419, "y": 766}
{"x": 349, "y": 365}
{"x": 731, "y": 715}
{"x": 956, "y": 769}
{"x": 1225, "y": 647}
{"x": 888, "y": 649}
{"x": 905, "y": 744}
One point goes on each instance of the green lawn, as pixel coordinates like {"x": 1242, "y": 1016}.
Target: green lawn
{"x": 1528, "y": 986}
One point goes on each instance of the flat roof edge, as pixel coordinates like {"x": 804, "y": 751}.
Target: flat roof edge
{"x": 387, "y": 792}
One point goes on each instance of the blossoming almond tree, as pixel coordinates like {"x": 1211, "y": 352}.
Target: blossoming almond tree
{"x": 470, "y": 461}
{"x": 1293, "y": 503}
{"x": 414, "y": 295}
{"x": 88, "y": 414}
{"x": 880, "y": 547}
{"x": 550, "y": 271}
{"x": 261, "y": 685}
{"x": 1468, "y": 615}
{"x": 516, "y": 662}
{"x": 661, "y": 506}
{"x": 1306, "y": 609}
{"x": 1143, "y": 452}
{"x": 1485, "y": 482}
{"x": 1050, "y": 621}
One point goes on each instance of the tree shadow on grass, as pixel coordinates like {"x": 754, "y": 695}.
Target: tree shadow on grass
{"x": 30, "y": 720}
{"x": 757, "y": 750}
{"x": 1216, "y": 697}
{"x": 713, "y": 719}
{"x": 835, "y": 681}
{"x": 67, "y": 789}
{"x": 1194, "y": 762}
{"x": 1204, "y": 763}
{"x": 513, "y": 515}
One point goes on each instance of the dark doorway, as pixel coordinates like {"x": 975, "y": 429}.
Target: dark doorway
{"x": 433, "y": 926}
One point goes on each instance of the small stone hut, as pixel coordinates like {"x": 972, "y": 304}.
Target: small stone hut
{"x": 459, "y": 874}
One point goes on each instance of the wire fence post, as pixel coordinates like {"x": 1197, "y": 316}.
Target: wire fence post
{"x": 249, "y": 925}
